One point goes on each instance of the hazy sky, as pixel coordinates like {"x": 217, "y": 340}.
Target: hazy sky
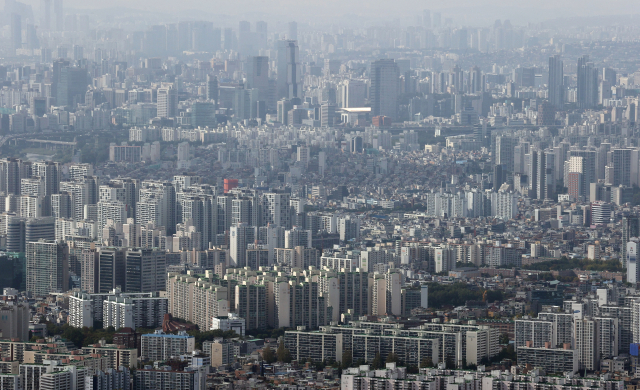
{"x": 463, "y": 11}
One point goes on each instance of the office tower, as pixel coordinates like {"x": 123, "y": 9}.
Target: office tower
{"x": 31, "y": 40}
{"x": 230, "y": 40}
{"x": 524, "y": 77}
{"x": 38, "y": 106}
{"x": 426, "y": 18}
{"x": 546, "y": 114}
{"x": 111, "y": 269}
{"x": 36, "y": 229}
{"x": 16, "y": 31}
{"x": 240, "y": 236}
{"x": 587, "y": 92}
{"x": 289, "y": 71}
{"x": 167, "y": 102}
{"x": 71, "y": 87}
{"x": 59, "y": 14}
{"x": 600, "y": 213}
{"x": 556, "y": 80}
{"x": 352, "y": 93}
{"x": 622, "y": 167}
{"x": 46, "y": 15}
{"x": 327, "y": 115}
{"x": 292, "y": 34}
{"x": 78, "y": 53}
{"x": 251, "y": 304}
{"x": 383, "y": 94}
{"x": 539, "y": 175}
{"x": 195, "y": 300}
{"x": 145, "y": 270}
{"x": 212, "y": 89}
{"x": 258, "y": 76}
{"x": 584, "y": 162}
{"x": 477, "y": 85}
{"x": 283, "y": 108}
{"x": 436, "y": 20}
{"x": 504, "y": 152}
{"x": 609, "y": 75}
{"x": 47, "y": 267}
{"x": 630, "y": 229}
{"x": 276, "y": 209}
{"x": 246, "y": 39}
{"x": 261, "y": 34}
{"x": 203, "y": 114}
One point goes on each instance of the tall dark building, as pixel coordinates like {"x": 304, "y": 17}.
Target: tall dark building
{"x": 293, "y": 31}
{"x": 476, "y": 83}
{"x": 587, "y": 93}
{"x": 556, "y": 82}
{"x": 212, "y": 89}
{"x": 112, "y": 269}
{"x": 16, "y": 31}
{"x": 525, "y": 77}
{"x": 58, "y": 10}
{"x": 289, "y": 70}
{"x": 498, "y": 176}
{"x": 622, "y": 167}
{"x": 258, "y": 76}
{"x": 72, "y": 86}
{"x": 539, "y": 173}
{"x": 383, "y": 94}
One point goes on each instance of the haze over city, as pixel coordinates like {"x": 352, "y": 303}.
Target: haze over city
{"x": 319, "y": 195}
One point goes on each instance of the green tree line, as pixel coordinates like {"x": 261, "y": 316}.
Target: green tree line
{"x": 457, "y": 294}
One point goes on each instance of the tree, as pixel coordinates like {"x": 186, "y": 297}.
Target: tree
{"x": 267, "y": 355}
{"x": 347, "y": 358}
{"x": 392, "y": 358}
{"x": 377, "y": 362}
{"x": 426, "y": 362}
{"x": 504, "y": 338}
{"x": 450, "y": 364}
{"x": 283, "y": 353}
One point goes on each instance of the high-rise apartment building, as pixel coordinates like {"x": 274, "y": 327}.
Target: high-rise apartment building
{"x": 47, "y": 267}
{"x": 251, "y": 304}
{"x": 196, "y": 300}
